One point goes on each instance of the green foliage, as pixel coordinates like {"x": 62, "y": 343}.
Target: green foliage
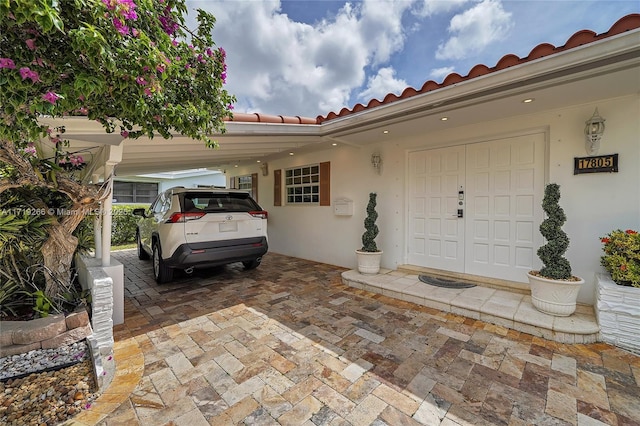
{"x": 11, "y": 297}
{"x": 42, "y": 303}
{"x": 94, "y": 67}
{"x": 622, "y": 256}
{"x": 123, "y": 227}
{"x": 23, "y": 231}
{"x": 131, "y": 65}
{"x": 371, "y": 229}
{"x": 123, "y": 230}
{"x": 556, "y": 266}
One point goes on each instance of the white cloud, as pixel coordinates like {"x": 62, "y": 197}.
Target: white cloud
{"x": 279, "y": 66}
{"x": 381, "y": 84}
{"x": 475, "y": 29}
{"x": 432, "y": 7}
{"x": 438, "y": 74}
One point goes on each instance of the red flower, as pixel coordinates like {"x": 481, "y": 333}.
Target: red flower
{"x": 623, "y": 267}
{"x": 605, "y": 240}
{"x": 630, "y": 232}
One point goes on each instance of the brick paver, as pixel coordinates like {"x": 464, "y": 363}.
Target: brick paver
{"x": 288, "y": 344}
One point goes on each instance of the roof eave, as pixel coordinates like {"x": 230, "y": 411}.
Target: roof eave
{"x": 616, "y": 52}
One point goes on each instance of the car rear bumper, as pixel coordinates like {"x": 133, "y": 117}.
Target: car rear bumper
{"x": 215, "y": 253}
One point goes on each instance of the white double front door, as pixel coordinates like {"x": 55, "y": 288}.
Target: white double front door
{"x": 476, "y": 208}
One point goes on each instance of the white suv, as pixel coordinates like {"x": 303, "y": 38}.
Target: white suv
{"x": 194, "y": 228}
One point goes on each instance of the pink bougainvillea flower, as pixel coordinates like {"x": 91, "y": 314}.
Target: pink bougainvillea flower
{"x": 160, "y": 68}
{"x": 77, "y": 160}
{"x": 141, "y": 81}
{"x": 124, "y": 134}
{"x": 111, "y": 4}
{"x": 175, "y": 42}
{"x": 87, "y": 406}
{"x": 222, "y": 52}
{"x": 31, "y": 43}
{"x": 147, "y": 91}
{"x": 230, "y": 107}
{"x": 110, "y": 358}
{"x": 30, "y": 149}
{"x": 50, "y": 97}
{"x": 135, "y": 32}
{"x": 223, "y": 76}
{"x": 25, "y": 73}
{"x": 120, "y": 26}
{"x": 56, "y": 140}
{"x": 166, "y": 21}
{"x": 7, "y": 63}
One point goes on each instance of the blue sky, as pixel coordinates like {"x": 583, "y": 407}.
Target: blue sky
{"x": 311, "y": 57}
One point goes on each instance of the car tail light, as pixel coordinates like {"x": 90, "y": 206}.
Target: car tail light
{"x": 185, "y": 217}
{"x": 261, "y": 214}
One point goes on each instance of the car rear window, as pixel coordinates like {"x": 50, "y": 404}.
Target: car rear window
{"x": 219, "y": 202}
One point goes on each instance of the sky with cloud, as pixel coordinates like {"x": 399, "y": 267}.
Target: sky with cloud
{"x": 311, "y": 57}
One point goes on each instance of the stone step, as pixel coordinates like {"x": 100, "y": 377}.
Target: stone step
{"x": 510, "y": 308}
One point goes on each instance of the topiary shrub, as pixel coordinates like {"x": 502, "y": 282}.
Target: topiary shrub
{"x": 371, "y": 229}
{"x": 556, "y": 266}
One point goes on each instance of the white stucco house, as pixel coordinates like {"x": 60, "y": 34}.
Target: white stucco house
{"x": 459, "y": 166}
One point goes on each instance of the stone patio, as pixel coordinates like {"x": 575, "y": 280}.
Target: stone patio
{"x": 289, "y": 344}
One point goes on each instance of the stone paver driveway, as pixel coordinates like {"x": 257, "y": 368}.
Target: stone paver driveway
{"x": 288, "y": 344}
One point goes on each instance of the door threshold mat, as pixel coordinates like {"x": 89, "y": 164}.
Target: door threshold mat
{"x": 443, "y": 282}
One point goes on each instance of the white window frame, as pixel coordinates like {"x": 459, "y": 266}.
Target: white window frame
{"x": 302, "y": 185}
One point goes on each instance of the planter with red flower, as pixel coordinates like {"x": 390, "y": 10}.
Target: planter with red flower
{"x": 618, "y": 291}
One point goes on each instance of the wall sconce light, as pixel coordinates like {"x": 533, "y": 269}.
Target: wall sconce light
{"x": 265, "y": 169}
{"x": 376, "y": 161}
{"x": 593, "y": 131}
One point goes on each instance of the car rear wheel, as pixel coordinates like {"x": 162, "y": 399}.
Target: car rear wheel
{"x": 252, "y": 264}
{"x": 161, "y": 272}
{"x": 142, "y": 254}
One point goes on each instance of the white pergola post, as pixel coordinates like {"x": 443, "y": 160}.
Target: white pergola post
{"x": 107, "y": 216}
{"x": 97, "y": 225}
{"x": 112, "y": 267}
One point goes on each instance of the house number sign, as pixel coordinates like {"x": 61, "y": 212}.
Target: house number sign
{"x": 596, "y": 164}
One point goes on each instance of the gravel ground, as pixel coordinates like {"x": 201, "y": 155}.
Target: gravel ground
{"x": 31, "y": 396}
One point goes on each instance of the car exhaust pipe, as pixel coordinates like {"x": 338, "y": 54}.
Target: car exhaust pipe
{"x": 189, "y": 271}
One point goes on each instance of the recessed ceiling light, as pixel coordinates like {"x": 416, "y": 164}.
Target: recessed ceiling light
{"x": 235, "y": 165}
{"x": 385, "y": 132}
{"x": 334, "y": 144}
{"x": 444, "y": 118}
{"x": 291, "y": 153}
{"x": 528, "y": 100}
{"x": 258, "y": 161}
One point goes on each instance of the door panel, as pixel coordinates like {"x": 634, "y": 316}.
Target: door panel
{"x": 436, "y": 234}
{"x": 503, "y": 183}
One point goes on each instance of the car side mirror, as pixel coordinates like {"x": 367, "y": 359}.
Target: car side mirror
{"x": 139, "y": 212}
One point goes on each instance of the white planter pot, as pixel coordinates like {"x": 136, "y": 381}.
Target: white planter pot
{"x": 554, "y": 297}
{"x": 369, "y": 262}
{"x": 618, "y": 313}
